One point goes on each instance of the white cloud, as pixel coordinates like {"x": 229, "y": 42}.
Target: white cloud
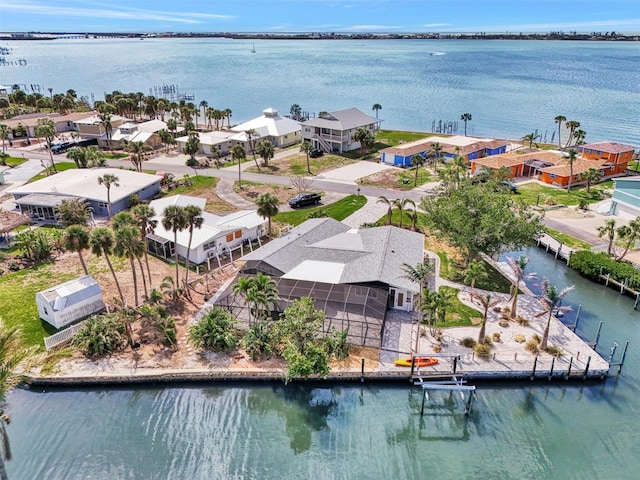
{"x": 120, "y": 14}
{"x": 629, "y": 24}
{"x": 369, "y": 28}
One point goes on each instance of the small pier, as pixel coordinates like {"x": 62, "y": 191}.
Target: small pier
{"x": 557, "y": 248}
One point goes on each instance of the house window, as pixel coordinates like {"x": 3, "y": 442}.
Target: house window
{"x": 102, "y": 204}
{"x": 238, "y": 234}
{"x": 209, "y": 245}
{"x": 229, "y": 237}
{"x": 46, "y": 312}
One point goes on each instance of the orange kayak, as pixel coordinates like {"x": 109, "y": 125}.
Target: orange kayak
{"x": 419, "y": 362}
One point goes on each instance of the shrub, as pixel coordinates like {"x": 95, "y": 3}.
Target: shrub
{"x": 100, "y": 335}
{"x": 495, "y": 337}
{"x": 503, "y": 322}
{"x": 468, "y": 342}
{"x": 214, "y": 331}
{"x": 532, "y": 346}
{"x": 583, "y": 204}
{"x": 482, "y": 350}
{"x": 437, "y": 348}
{"x": 337, "y": 344}
{"x": 518, "y": 337}
{"x": 192, "y": 162}
{"x": 522, "y": 321}
{"x": 257, "y": 340}
{"x": 487, "y": 340}
{"x": 592, "y": 264}
{"x": 318, "y": 214}
{"x": 536, "y": 338}
{"x": 553, "y": 350}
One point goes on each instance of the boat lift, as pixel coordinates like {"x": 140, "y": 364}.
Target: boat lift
{"x": 455, "y": 384}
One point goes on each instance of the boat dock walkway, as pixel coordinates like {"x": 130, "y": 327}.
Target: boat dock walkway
{"x": 556, "y": 247}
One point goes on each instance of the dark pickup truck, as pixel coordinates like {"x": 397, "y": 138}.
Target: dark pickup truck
{"x": 304, "y": 199}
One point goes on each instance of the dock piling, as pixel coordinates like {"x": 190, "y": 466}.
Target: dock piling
{"x": 586, "y": 368}
{"x": 362, "y": 372}
{"x": 535, "y": 364}
{"x": 569, "y": 369}
{"x": 553, "y": 362}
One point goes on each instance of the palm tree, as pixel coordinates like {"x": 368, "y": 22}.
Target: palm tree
{"x": 306, "y": 147}
{"x": 518, "y": 267}
{"x": 266, "y": 150}
{"x": 108, "y": 180}
{"x": 138, "y": 152}
{"x": 46, "y": 129}
{"x": 238, "y": 153}
{"x": 365, "y": 138}
{"x": 251, "y": 136}
{"x": 244, "y": 287}
{"x": 552, "y": 297}
{"x": 474, "y": 272}
{"x": 76, "y": 238}
{"x": 264, "y": 294}
{"x": 629, "y": 233}
{"x": 129, "y": 244}
{"x": 579, "y": 136}
{"x": 102, "y": 242}
{"x": 400, "y": 205}
{"x": 203, "y": 105}
{"x": 530, "y": 138}
{"x": 572, "y": 125}
{"x": 560, "y": 119}
{"x": 591, "y": 176}
{"x": 295, "y": 111}
{"x": 389, "y": 203}
{"x": 105, "y": 120}
{"x": 267, "y": 207}
{"x": 193, "y": 219}
{"x": 608, "y": 230}
{"x": 419, "y": 274}
{"x": 5, "y": 133}
{"x": 417, "y": 161}
{"x": 11, "y": 355}
{"x": 465, "y": 117}
{"x": 435, "y": 152}
{"x": 486, "y": 303}
{"x": 174, "y": 219}
{"x": 227, "y": 113}
{"x": 570, "y": 158}
{"x": 376, "y": 107}
{"x": 144, "y": 216}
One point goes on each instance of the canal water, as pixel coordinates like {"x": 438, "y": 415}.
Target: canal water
{"x": 350, "y": 431}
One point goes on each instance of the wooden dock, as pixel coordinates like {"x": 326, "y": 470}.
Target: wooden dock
{"x": 559, "y": 249}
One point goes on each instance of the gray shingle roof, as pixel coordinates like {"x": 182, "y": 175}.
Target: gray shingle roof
{"x": 368, "y": 255}
{"x": 342, "y": 120}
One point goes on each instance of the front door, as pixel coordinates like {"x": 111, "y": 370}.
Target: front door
{"x": 400, "y": 299}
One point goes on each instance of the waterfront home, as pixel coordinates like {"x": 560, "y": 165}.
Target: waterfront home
{"x": 145, "y": 132}
{"x": 333, "y": 132}
{"x": 615, "y": 155}
{"x": 29, "y": 121}
{"x": 210, "y": 142}
{"x": 220, "y": 235}
{"x": 70, "y": 301}
{"x": 40, "y": 199}
{"x": 550, "y": 166}
{"x": 90, "y": 126}
{"x": 331, "y": 256}
{"x": 450, "y": 147}
{"x": 280, "y": 131}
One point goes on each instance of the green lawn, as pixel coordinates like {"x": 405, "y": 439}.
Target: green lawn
{"x": 18, "y": 306}
{"x": 15, "y": 161}
{"x": 494, "y": 282}
{"x": 569, "y": 240}
{"x": 338, "y": 210}
{"x": 391, "y": 138}
{"x": 536, "y": 194}
{"x": 60, "y": 167}
{"x": 115, "y": 156}
{"x": 199, "y": 183}
{"x": 458, "y": 314}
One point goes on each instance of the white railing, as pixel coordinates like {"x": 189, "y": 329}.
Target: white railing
{"x": 62, "y": 337}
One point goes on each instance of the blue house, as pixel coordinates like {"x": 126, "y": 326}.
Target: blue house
{"x": 626, "y": 197}
{"x": 467, "y": 147}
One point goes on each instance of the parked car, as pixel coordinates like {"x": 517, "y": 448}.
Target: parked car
{"x": 509, "y": 186}
{"x": 304, "y": 199}
{"x": 60, "y": 147}
{"x": 316, "y": 153}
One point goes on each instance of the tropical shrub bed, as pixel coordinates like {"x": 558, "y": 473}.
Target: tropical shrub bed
{"x": 592, "y": 265}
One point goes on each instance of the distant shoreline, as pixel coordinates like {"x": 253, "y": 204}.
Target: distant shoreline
{"x": 555, "y": 36}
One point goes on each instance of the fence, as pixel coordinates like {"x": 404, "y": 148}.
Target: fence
{"x": 62, "y": 337}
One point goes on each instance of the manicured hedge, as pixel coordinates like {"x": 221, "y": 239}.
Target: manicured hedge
{"x": 592, "y": 264}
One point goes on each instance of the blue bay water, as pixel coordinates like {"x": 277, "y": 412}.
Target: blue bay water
{"x": 351, "y": 431}
{"x": 511, "y": 88}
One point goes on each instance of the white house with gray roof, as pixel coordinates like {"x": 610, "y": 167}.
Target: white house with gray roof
{"x": 218, "y": 237}
{"x": 70, "y": 301}
{"x": 329, "y": 252}
{"x": 280, "y": 131}
{"x": 333, "y": 132}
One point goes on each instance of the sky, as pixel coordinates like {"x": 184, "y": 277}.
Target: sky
{"x": 320, "y": 16}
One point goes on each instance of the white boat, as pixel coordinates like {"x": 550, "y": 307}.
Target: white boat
{"x": 437, "y": 53}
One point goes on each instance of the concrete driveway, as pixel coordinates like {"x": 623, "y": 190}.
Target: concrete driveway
{"x": 351, "y": 173}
